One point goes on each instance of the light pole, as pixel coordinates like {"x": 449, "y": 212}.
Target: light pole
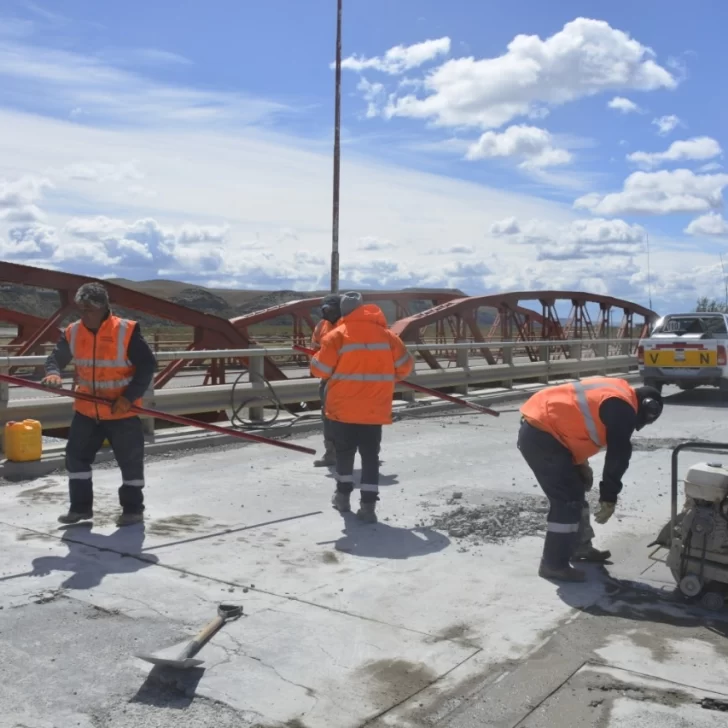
{"x": 337, "y": 159}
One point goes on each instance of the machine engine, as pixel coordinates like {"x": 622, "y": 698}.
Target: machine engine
{"x": 698, "y": 555}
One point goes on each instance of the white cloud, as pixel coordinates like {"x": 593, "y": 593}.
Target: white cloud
{"x": 666, "y": 124}
{"x": 93, "y": 228}
{"x": 619, "y": 103}
{"x": 712, "y": 224}
{"x": 509, "y": 226}
{"x": 400, "y": 59}
{"x": 695, "y": 149}
{"x": 202, "y": 233}
{"x": 22, "y": 193}
{"x": 659, "y": 193}
{"x": 373, "y": 244}
{"x": 31, "y": 240}
{"x": 532, "y": 145}
{"x": 373, "y": 94}
{"x": 580, "y": 239}
{"x": 585, "y": 58}
{"x": 710, "y": 167}
{"x": 101, "y": 171}
{"x": 60, "y": 81}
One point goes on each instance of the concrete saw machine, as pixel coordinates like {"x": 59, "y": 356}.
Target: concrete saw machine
{"x": 697, "y": 538}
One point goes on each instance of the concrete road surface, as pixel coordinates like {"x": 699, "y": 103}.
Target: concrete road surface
{"x": 433, "y": 617}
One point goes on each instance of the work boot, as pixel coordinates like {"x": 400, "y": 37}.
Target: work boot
{"x": 342, "y": 502}
{"x": 129, "y": 519}
{"x": 329, "y": 457}
{"x": 591, "y": 554}
{"x": 566, "y": 573}
{"x": 367, "y": 512}
{"x": 75, "y": 516}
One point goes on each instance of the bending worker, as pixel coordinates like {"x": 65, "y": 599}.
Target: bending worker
{"x": 112, "y": 361}
{"x": 330, "y": 314}
{"x": 360, "y": 361}
{"x": 562, "y": 427}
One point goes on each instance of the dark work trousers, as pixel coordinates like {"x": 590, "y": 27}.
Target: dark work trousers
{"x": 328, "y": 434}
{"x": 367, "y": 440}
{"x": 86, "y": 436}
{"x": 554, "y": 468}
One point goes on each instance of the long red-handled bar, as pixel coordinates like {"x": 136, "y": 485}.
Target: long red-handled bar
{"x": 425, "y": 390}
{"x": 176, "y": 419}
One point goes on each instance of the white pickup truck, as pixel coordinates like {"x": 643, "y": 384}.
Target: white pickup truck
{"x": 687, "y": 349}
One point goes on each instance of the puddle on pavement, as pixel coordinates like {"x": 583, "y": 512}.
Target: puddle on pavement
{"x": 175, "y": 525}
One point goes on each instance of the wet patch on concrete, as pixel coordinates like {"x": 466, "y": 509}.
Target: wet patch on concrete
{"x": 175, "y": 525}
{"x": 329, "y": 557}
{"x": 649, "y": 444}
{"x": 398, "y": 678}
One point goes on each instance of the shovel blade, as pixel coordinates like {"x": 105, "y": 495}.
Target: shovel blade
{"x": 184, "y": 664}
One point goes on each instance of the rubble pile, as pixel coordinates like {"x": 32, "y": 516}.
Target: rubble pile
{"x": 497, "y": 522}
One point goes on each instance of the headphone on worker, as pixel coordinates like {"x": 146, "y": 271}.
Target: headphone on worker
{"x": 649, "y": 404}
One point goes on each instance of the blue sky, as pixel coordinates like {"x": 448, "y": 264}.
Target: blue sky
{"x": 487, "y": 146}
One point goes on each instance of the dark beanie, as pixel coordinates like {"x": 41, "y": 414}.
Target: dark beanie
{"x": 350, "y": 302}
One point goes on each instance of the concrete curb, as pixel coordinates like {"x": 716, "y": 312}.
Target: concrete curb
{"x": 184, "y": 439}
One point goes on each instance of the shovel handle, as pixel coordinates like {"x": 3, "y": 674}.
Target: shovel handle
{"x": 202, "y": 637}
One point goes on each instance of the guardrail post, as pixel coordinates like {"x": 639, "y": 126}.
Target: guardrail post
{"x": 545, "y": 355}
{"x": 462, "y": 360}
{"x": 150, "y": 402}
{"x": 256, "y": 369}
{"x": 603, "y": 353}
{"x": 508, "y": 359}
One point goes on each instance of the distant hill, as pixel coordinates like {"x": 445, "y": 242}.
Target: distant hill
{"x": 226, "y": 303}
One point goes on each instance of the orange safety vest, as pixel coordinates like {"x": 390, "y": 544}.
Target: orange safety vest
{"x": 102, "y": 368}
{"x": 361, "y": 359}
{"x": 570, "y": 412}
{"x": 323, "y": 327}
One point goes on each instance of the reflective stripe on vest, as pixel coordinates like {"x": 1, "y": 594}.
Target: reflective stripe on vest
{"x": 581, "y": 399}
{"x": 119, "y": 361}
{"x": 113, "y": 384}
{"x": 364, "y": 377}
{"x": 364, "y": 347}
{"x": 403, "y": 359}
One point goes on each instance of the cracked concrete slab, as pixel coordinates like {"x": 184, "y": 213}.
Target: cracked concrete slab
{"x": 412, "y": 626}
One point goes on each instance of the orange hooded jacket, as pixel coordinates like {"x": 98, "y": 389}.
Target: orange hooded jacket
{"x": 361, "y": 359}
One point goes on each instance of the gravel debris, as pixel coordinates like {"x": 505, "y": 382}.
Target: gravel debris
{"x": 496, "y": 522}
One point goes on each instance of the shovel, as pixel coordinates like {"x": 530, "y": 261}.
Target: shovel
{"x": 186, "y": 658}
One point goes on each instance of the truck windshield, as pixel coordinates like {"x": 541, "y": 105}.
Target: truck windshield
{"x": 691, "y": 324}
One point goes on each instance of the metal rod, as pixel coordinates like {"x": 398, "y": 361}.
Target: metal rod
{"x": 337, "y": 158}
{"x": 176, "y": 419}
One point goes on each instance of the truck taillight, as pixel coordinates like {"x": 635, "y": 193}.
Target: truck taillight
{"x": 641, "y": 354}
{"x": 721, "y": 356}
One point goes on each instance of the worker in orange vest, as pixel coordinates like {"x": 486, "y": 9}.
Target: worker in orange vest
{"x": 330, "y": 314}
{"x": 360, "y": 361}
{"x": 561, "y": 428}
{"x": 114, "y": 362}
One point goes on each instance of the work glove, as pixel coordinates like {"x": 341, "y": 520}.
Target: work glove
{"x": 52, "y": 380}
{"x": 121, "y": 406}
{"x": 605, "y": 512}
{"x": 586, "y": 474}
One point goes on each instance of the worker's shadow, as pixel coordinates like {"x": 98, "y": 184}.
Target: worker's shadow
{"x": 381, "y": 541}
{"x": 603, "y": 595}
{"x": 92, "y": 556}
{"x": 384, "y": 480}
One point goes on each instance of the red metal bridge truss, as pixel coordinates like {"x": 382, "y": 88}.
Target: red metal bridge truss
{"x": 447, "y": 318}
{"x": 458, "y": 320}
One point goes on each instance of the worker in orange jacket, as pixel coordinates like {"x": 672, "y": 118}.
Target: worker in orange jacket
{"x": 330, "y": 314}
{"x": 113, "y": 362}
{"x": 360, "y": 361}
{"x": 561, "y": 428}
